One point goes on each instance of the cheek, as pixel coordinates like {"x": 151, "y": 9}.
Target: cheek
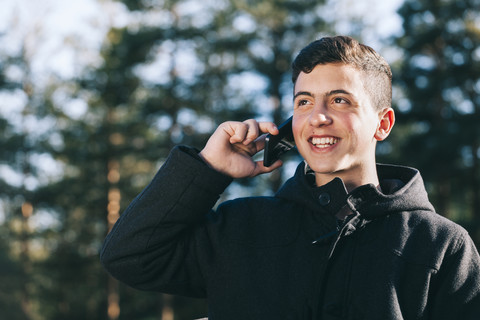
{"x": 365, "y": 130}
{"x": 297, "y": 126}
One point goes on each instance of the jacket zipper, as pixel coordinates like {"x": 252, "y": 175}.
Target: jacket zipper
{"x": 344, "y": 230}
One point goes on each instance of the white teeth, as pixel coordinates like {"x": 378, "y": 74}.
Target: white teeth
{"x": 324, "y": 141}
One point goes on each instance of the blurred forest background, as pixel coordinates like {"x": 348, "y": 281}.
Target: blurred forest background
{"x": 81, "y": 135}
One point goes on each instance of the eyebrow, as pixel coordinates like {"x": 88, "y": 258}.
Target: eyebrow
{"x": 302, "y": 93}
{"x": 331, "y": 93}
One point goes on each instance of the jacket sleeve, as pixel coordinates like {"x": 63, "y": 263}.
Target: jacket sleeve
{"x": 457, "y": 290}
{"x": 161, "y": 242}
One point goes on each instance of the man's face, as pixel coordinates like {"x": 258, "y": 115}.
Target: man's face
{"x": 335, "y": 124}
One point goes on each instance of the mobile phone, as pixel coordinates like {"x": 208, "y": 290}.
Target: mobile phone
{"x": 276, "y": 145}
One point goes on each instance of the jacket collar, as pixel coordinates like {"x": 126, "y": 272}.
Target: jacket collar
{"x": 402, "y": 190}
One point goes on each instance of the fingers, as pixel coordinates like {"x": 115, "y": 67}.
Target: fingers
{"x": 231, "y": 148}
{"x": 253, "y": 131}
{"x": 249, "y": 130}
{"x": 261, "y": 169}
{"x": 268, "y": 127}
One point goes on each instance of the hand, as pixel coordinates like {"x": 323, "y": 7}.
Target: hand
{"x": 231, "y": 147}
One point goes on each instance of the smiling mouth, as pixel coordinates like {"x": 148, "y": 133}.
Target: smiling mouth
{"x": 323, "y": 142}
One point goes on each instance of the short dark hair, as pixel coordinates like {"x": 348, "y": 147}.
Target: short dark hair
{"x": 346, "y": 50}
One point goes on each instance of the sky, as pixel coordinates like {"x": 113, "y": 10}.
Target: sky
{"x": 53, "y": 29}
{"x": 58, "y": 38}
{"x": 378, "y": 16}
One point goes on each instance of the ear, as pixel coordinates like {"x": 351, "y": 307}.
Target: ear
{"x": 385, "y": 125}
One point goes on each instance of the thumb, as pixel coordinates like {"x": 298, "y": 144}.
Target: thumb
{"x": 261, "y": 169}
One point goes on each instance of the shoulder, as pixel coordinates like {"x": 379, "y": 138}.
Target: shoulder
{"x": 432, "y": 225}
{"x": 425, "y": 236}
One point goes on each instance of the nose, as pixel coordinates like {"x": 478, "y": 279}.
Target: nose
{"x": 319, "y": 116}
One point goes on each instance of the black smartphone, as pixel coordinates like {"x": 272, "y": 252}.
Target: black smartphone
{"x": 276, "y": 145}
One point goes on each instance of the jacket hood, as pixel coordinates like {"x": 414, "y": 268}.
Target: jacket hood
{"x": 402, "y": 190}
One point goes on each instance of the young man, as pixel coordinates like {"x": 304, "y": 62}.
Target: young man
{"x": 344, "y": 238}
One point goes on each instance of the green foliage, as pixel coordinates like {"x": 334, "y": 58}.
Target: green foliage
{"x": 169, "y": 77}
{"x": 439, "y": 76}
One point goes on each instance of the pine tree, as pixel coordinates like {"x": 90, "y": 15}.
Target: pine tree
{"x": 23, "y": 125}
{"x": 15, "y": 299}
{"x": 439, "y": 76}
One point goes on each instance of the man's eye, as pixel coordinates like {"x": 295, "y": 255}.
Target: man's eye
{"x": 339, "y": 100}
{"x": 302, "y": 102}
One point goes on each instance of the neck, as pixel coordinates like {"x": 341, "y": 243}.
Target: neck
{"x": 352, "y": 179}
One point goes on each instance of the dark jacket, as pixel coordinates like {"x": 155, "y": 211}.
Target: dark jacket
{"x": 288, "y": 257}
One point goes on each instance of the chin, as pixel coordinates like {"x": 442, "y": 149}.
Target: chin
{"x": 323, "y": 168}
